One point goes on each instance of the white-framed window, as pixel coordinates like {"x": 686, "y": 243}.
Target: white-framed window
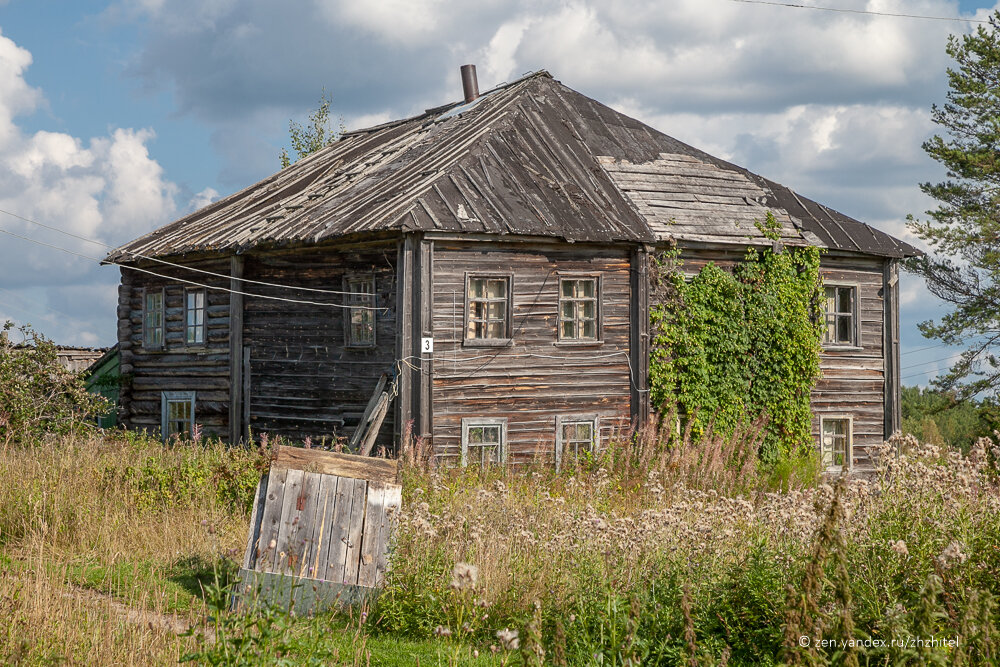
{"x": 579, "y": 309}
{"x": 152, "y": 318}
{"x": 576, "y": 435}
{"x": 836, "y": 433}
{"x": 487, "y": 310}
{"x": 177, "y": 414}
{"x": 840, "y": 316}
{"x": 484, "y": 441}
{"x": 360, "y": 320}
{"x": 195, "y": 302}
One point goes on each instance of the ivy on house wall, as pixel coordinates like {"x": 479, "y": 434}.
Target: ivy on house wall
{"x": 730, "y": 346}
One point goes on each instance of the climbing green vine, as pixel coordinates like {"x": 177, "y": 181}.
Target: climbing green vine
{"x": 730, "y": 346}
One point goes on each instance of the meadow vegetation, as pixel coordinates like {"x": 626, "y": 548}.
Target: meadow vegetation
{"x": 667, "y": 548}
{"x": 115, "y": 549}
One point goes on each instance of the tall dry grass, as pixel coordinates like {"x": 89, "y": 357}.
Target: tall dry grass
{"x": 92, "y": 532}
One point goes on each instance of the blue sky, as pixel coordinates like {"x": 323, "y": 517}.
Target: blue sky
{"x": 118, "y": 116}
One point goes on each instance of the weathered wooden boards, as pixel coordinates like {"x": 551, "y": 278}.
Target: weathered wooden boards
{"x": 321, "y": 529}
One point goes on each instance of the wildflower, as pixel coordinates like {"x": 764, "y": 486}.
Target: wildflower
{"x": 464, "y": 576}
{"x": 441, "y": 631}
{"x": 508, "y": 639}
{"x": 952, "y": 554}
{"x": 900, "y": 547}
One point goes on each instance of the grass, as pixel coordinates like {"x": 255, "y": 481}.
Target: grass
{"x": 117, "y": 550}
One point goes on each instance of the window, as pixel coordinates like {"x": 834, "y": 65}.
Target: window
{"x": 484, "y": 441}
{"x": 177, "y": 414}
{"x": 836, "y": 442}
{"x": 152, "y": 319}
{"x": 839, "y": 311}
{"x": 575, "y": 436}
{"x": 194, "y": 317}
{"x": 578, "y": 309}
{"x": 361, "y": 314}
{"x": 487, "y": 310}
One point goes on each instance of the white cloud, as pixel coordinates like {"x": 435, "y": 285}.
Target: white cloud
{"x": 107, "y": 188}
{"x": 203, "y": 199}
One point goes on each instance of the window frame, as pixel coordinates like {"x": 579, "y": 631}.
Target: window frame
{"x": 204, "y": 319}
{"x": 598, "y": 308}
{"x": 508, "y": 338}
{"x": 848, "y": 443}
{"x": 147, "y": 344}
{"x": 369, "y": 279}
{"x": 855, "y": 343}
{"x": 473, "y": 422}
{"x": 166, "y": 399}
{"x": 562, "y": 420}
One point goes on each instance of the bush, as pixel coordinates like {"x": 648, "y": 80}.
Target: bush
{"x": 38, "y": 395}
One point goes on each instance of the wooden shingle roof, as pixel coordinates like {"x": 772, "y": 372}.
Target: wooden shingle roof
{"x": 533, "y": 157}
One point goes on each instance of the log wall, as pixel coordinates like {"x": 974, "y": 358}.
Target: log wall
{"x": 176, "y": 366}
{"x": 303, "y": 380}
{"x": 535, "y": 379}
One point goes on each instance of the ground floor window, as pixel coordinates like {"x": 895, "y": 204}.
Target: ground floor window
{"x": 575, "y": 436}
{"x": 177, "y": 417}
{"x": 484, "y": 441}
{"x": 836, "y": 436}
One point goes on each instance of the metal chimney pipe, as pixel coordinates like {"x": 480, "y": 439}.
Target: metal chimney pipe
{"x": 470, "y": 85}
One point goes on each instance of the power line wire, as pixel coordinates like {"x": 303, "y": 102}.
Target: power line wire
{"x": 189, "y": 282}
{"x": 927, "y": 363}
{"x": 921, "y": 349}
{"x": 166, "y": 262}
{"x": 842, "y": 10}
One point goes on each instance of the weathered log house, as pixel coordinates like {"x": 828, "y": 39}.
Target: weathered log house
{"x": 491, "y": 255}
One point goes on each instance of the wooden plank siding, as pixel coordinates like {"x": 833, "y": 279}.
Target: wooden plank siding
{"x": 852, "y": 382}
{"x": 535, "y": 380}
{"x": 202, "y": 368}
{"x": 304, "y": 381}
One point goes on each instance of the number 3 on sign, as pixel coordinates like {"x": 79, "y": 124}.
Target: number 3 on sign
{"x": 426, "y": 345}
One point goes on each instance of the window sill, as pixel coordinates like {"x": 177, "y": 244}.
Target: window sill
{"x": 488, "y": 342}
{"x": 578, "y": 343}
{"x": 842, "y": 348}
{"x": 360, "y": 348}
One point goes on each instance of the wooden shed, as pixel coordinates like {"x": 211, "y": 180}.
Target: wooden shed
{"x": 491, "y": 255}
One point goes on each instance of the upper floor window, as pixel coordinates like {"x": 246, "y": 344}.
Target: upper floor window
{"x": 360, "y": 329}
{"x": 836, "y": 442}
{"x": 484, "y": 441}
{"x": 152, "y": 318}
{"x": 487, "y": 309}
{"x": 840, "y": 316}
{"x": 194, "y": 317}
{"x": 177, "y": 418}
{"x": 578, "y": 301}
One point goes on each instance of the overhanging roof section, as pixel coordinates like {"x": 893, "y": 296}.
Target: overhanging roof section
{"x": 531, "y": 158}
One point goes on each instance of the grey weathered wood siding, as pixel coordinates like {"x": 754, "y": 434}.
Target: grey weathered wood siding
{"x": 853, "y": 380}
{"x": 535, "y": 379}
{"x": 303, "y": 379}
{"x": 176, "y": 366}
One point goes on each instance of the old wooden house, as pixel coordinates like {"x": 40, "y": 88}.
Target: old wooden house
{"x": 491, "y": 255}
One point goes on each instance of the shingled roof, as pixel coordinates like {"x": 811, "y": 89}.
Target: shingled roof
{"x": 532, "y": 157}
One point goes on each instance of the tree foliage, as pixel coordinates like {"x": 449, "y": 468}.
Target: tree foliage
{"x": 943, "y": 418}
{"x": 964, "y": 229}
{"x": 731, "y": 346}
{"x": 316, "y": 134}
{"x": 38, "y": 395}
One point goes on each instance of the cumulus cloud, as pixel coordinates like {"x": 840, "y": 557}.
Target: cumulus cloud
{"x": 107, "y": 188}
